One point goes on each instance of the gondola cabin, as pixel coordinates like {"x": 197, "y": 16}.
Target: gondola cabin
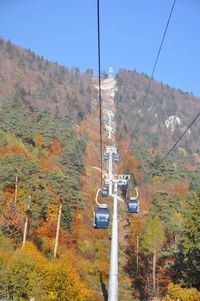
{"x": 101, "y": 217}
{"x": 116, "y": 158}
{"x": 104, "y": 192}
{"x": 106, "y": 156}
{"x": 120, "y": 183}
{"x": 133, "y": 205}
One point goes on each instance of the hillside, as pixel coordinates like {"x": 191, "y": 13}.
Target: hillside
{"x": 44, "y": 85}
{"x": 41, "y": 161}
{"x": 50, "y": 170}
{"x": 163, "y": 239}
{"x": 165, "y": 115}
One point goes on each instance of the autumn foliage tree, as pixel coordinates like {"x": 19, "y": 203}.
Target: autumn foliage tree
{"x": 28, "y": 274}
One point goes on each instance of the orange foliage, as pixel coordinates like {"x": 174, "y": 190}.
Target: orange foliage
{"x": 131, "y": 164}
{"x": 196, "y": 157}
{"x": 191, "y": 167}
{"x": 180, "y": 187}
{"x": 162, "y": 277}
{"x": 146, "y": 198}
{"x": 90, "y": 127}
{"x": 44, "y": 164}
{"x": 48, "y": 230}
{"x": 49, "y": 164}
{"x": 13, "y": 149}
{"x": 7, "y": 196}
{"x": 56, "y": 147}
{"x": 12, "y": 221}
{"x": 136, "y": 226}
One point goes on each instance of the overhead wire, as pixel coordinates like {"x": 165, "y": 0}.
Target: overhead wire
{"x": 151, "y": 78}
{"x": 150, "y": 172}
{"x": 99, "y": 86}
{"x": 179, "y": 139}
{"x": 152, "y": 74}
{"x": 147, "y": 91}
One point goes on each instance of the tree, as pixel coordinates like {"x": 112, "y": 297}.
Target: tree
{"x": 187, "y": 260}
{"x": 27, "y": 267}
{"x": 152, "y": 240}
{"x": 176, "y": 292}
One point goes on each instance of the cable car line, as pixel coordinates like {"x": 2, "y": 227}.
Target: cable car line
{"x": 152, "y": 74}
{"x": 150, "y": 173}
{"x": 99, "y": 84}
{"x": 155, "y": 64}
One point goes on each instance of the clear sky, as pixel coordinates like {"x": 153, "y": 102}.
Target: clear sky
{"x": 65, "y": 31}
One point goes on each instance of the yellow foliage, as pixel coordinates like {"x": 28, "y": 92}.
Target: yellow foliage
{"x": 182, "y": 151}
{"x": 156, "y": 180}
{"x": 51, "y": 296}
{"x": 65, "y": 282}
{"x": 151, "y": 151}
{"x": 34, "y": 276}
{"x": 58, "y": 171}
{"x": 19, "y": 72}
{"x": 12, "y": 140}
{"x": 176, "y": 292}
{"x": 38, "y": 139}
{"x": 174, "y": 166}
{"x": 85, "y": 245}
{"x": 52, "y": 212}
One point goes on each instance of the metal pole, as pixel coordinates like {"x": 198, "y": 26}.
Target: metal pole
{"x": 110, "y": 172}
{"x": 113, "y": 277}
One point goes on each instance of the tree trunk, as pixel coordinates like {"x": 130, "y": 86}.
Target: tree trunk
{"x": 26, "y": 223}
{"x": 57, "y": 231}
{"x": 16, "y": 187}
{"x": 137, "y": 257}
{"x": 154, "y": 271}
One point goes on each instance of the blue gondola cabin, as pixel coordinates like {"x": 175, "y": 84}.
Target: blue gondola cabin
{"x": 120, "y": 183}
{"x": 101, "y": 217}
{"x": 104, "y": 192}
{"x": 133, "y": 205}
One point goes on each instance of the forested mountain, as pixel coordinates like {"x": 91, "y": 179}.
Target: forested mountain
{"x": 49, "y": 169}
{"x": 165, "y": 115}
{"x": 43, "y": 84}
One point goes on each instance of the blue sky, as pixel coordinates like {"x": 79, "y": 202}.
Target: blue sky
{"x": 65, "y": 31}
